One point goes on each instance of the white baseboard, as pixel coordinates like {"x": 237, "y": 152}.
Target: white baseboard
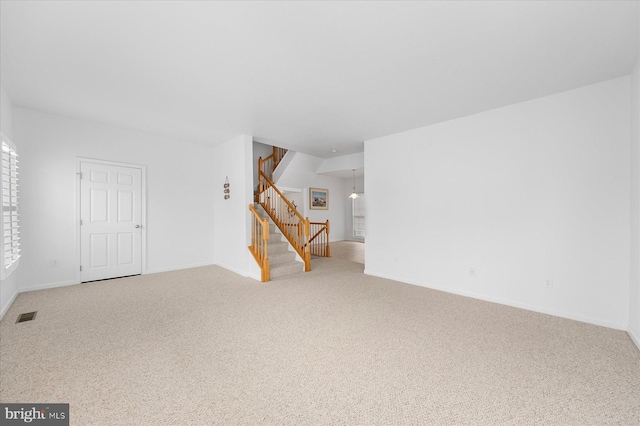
{"x": 49, "y": 285}
{"x": 74, "y": 282}
{"x": 561, "y": 314}
{"x": 7, "y": 305}
{"x": 635, "y": 339}
{"x": 178, "y": 268}
{"x": 253, "y": 275}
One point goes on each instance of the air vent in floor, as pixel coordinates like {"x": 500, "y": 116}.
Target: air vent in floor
{"x": 29, "y": 316}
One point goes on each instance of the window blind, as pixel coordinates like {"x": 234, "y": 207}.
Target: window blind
{"x": 10, "y": 212}
{"x": 359, "y": 216}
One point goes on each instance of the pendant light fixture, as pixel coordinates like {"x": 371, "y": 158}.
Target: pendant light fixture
{"x": 354, "y": 194}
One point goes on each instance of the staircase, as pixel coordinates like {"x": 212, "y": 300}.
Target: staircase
{"x": 282, "y": 261}
{"x": 277, "y": 225}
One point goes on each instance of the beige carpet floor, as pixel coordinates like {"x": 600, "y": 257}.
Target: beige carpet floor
{"x": 204, "y": 346}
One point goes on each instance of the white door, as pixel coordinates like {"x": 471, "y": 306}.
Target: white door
{"x": 110, "y": 221}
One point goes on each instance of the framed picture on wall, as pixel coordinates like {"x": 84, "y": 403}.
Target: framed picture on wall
{"x": 318, "y": 199}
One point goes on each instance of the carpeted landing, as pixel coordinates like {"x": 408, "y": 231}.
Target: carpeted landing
{"x": 204, "y": 346}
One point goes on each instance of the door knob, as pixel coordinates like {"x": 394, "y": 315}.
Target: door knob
{"x": 137, "y": 226}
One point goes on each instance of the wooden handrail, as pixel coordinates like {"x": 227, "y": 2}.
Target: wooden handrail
{"x": 264, "y": 220}
{"x": 321, "y": 245}
{"x": 268, "y": 157}
{"x": 288, "y": 203}
{"x": 259, "y": 247}
{"x": 317, "y": 233}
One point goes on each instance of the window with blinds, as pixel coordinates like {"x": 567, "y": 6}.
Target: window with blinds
{"x": 10, "y": 221}
{"x": 359, "y": 217}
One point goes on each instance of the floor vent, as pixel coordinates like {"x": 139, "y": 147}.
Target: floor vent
{"x": 29, "y": 316}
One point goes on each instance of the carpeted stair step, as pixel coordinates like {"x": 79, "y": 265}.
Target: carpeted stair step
{"x": 278, "y": 247}
{"x": 283, "y": 269}
{"x": 281, "y": 257}
{"x": 275, "y": 237}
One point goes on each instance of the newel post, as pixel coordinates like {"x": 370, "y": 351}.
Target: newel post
{"x": 266, "y": 269}
{"x": 328, "y": 250}
{"x": 260, "y": 185}
{"x": 307, "y": 248}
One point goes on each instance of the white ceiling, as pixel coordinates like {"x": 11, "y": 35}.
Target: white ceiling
{"x": 308, "y": 76}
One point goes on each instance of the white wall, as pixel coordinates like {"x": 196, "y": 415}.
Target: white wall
{"x": 9, "y": 286}
{"x": 530, "y": 192}
{"x": 296, "y": 197}
{"x": 231, "y": 219}
{"x": 343, "y": 162}
{"x": 6, "y": 114}
{"x": 301, "y": 173}
{"x": 179, "y": 198}
{"x": 634, "y": 282}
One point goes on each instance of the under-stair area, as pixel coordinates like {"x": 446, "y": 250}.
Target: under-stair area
{"x": 282, "y": 241}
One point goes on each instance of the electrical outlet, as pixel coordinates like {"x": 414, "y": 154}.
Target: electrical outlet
{"x": 548, "y": 283}
{"x": 54, "y": 263}
{"x": 472, "y": 272}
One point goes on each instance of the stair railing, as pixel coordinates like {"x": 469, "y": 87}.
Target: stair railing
{"x": 286, "y": 217}
{"x": 269, "y": 163}
{"x": 319, "y": 241}
{"x": 259, "y": 247}
{"x": 278, "y": 154}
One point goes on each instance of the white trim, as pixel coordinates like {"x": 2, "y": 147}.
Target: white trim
{"x": 635, "y": 339}
{"x": 236, "y": 270}
{"x": 581, "y": 318}
{"x": 6, "y": 307}
{"x": 180, "y": 267}
{"x": 74, "y": 282}
{"x": 143, "y": 169}
{"x": 255, "y": 277}
{"x": 49, "y": 285}
{"x": 12, "y": 299}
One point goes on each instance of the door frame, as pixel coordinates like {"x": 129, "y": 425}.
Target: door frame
{"x": 143, "y": 199}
